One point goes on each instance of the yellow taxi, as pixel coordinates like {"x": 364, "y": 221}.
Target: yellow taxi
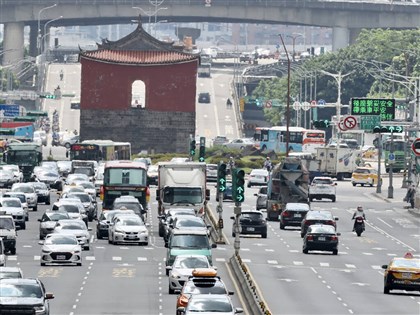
{"x": 363, "y": 175}
{"x": 402, "y": 274}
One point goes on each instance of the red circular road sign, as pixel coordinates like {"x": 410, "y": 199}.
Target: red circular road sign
{"x": 341, "y": 125}
{"x": 268, "y": 104}
{"x": 350, "y": 122}
{"x": 416, "y": 147}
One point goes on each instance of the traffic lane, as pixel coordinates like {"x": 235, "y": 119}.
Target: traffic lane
{"x": 362, "y": 291}
{"x": 289, "y": 289}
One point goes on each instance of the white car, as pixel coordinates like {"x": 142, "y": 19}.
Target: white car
{"x": 240, "y": 144}
{"x": 128, "y": 229}
{"x": 75, "y": 178}
{"x": 22, "y": 198}
{"x": 42, "y": 135}
{"x": 74, "y": 207}
{"x": 76, "y": 228}
{"x": 89, "y": 188}
{"x": 13, "y": 207}
{"x": 17, "y": 173}
{"x": 182, "y": 269}
{"x": 61, "y": 249}
{"x": 2, "y": 255}
{"x": 322, "y": 187}
{"x": 30, "y": 193}
{"x": 258, "y": 177}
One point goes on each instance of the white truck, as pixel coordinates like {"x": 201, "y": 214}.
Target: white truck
{"x": 182, "y": 185}
{"x": 338, "y": 162}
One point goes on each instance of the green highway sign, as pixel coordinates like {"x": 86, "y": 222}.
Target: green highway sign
{"x": 368, "y": 122}
{"x": 385, "y": 108}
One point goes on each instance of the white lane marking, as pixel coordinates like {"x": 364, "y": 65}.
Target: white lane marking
{"x": 385, "y": 223}
{"x": 324, "y": 264}
{"x": 269, "y": 250}
{"x": 116, "y": 258}
{"x": 141, "y": 258}
{"x": 298, "y": 263}
{"x": 376, "y": 267}
{"x": 221, "y": 259}
{"x": 37, "y": 257}
{"x": 350, "y": 266}
{"x": 392, "y": 237}
{"x": 368, "y": 254}
{"x": 27, "y": 246}
{"x": 245, "y": 260}
{"x": 12, "y": 258}
{"x": 272, "y": 262}
{"x": 90, "y": 258}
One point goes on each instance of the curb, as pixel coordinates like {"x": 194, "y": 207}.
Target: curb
{"x": 415, "y": 212}
{"x": 214, "y": 224}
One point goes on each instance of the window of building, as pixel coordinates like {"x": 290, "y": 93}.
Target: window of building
{"x": 138, "y": 94}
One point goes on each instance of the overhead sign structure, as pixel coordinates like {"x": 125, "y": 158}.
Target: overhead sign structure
{"x": 385, "y": 108}
{"x": 416, "y": 147}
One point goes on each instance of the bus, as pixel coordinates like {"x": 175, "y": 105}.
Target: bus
{"x": 124, "y": 178}
{"x": 300, "y": 139}
{"x": 397, "y": 147}
{"x": 100, "y": 150}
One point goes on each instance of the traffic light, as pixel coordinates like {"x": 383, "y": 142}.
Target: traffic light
{"x": 258, "y": 102}
{"x": 202, "y": 152}
{"x": 387, "y": 129}
{"x": 192, "y": 147}
{"x": 47, "y": 95}
{"x": 238, "y": 183}
{"x": 321, "y": 124}
{"x": 221, "y": 177}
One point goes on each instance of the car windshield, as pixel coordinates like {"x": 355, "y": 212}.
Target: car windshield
{"x": 191, "y": 262}
{"x": 190, "y": 222}
{"x": 55, "y": 216}
{"x": 251, "y": 216}
{"x": 73, "y": 226}
{"x": 204, "y": 286}
{"x": 24, "y": 189}
{"x": 361, "y": 171}
{"x": 175, "y": 195}
{"x": 61, "y": 240}
{"x": 69, "y": 208}
{"x": 21, "y": 197}
{"x": 87, "y": 185}
{"x": 11, "y": 203}
{"x": 40, "y": 185}
{"x": 9, "y": 274}
{"x": 6, "y": 224}
{"x": 319, "y": 215}
{"x": 6, "y": 173}
{"x": 48, "y": 174}
{"x": 327, "y": 229}
{"x": 82, "y": 197}
{"x": 204, "y": 304}
{"x": 190, "y": 241}
{"x": 13, "y": 168}
{"x": 322, "y": 181}
{"x": 408, "y": 263}
{"x": 20, "y": 290}
{"x": 133, "y": 221}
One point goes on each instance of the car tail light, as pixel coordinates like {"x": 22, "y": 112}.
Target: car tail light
{"x": 309, "y": 238}
{"x": 147, "y": 194}
{"x": 308, "y": 222}
{"x": 101, "y": 192}
{"x": 182, "y": 301}
{"x": 330, "y": 222}
{"x": 285, "y": 214}
{"x": 201, "y": 211}
{"x": 334, "y": 238}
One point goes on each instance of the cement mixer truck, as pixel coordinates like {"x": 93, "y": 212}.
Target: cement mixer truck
{"x": 289, "y": 182}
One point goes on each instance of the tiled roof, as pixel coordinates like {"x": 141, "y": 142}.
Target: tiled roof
{"x": 138, "y": 57}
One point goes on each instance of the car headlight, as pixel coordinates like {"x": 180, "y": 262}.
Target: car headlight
{"x": 46, "y": 251}
{"x": 76, "y": 252}
{"x": 175, "y": 275}
{"x": 40, "y": 309}
{"x": 119, "y": 231}
{"x": 144, "y": 232}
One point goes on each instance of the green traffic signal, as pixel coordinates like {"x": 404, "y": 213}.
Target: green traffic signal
{"x": 192, "y": 147}
{"x": 238, "y": 185}
{"x": 221, "y": 177}
{"x": 48, "y": 96}
{"x": 202, "y": 153}
{"x": 321, "y": 124}
{"x": 388, "y": 129}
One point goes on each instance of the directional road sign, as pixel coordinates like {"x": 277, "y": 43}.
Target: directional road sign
{"x": 368, "y": 122}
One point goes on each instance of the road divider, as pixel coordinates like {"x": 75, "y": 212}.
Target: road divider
{"x": 214, "y": 234}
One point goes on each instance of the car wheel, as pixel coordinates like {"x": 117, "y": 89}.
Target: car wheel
{"x": 371, "y": 184}
{"x": 311, "y": 199}
{"x": 48, "y": 202}
{"x": 333, "y": 199}
{"x": 386, "y": 290}
{"x": 264, "y": 235}
{"x": 305, "y": 250}
{"x": 363, "y": 185}
{"x": 171, "y": 291}
{"x": 233, "y": 234}
{"x": 42, "y": 264}
{"x": 282, "y": 226}
{"x": 13, "y": 251}
{"x": 35, "y": 208}
{"x": 335, "y": 251}
{"x": 354, "y": 184}
{"x": 302, "y": 235}
{"x": 86, "y": 247}
{"x": 167, "y": 272}
{"x": 110, "y": 240}
{"x": 23, "y": 226}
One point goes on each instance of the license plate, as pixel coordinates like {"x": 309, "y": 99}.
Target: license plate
{"x": 406, "y": 275}
{"x": 297, "y": 215}
{"x": 131, "y": 236}
{"x": 321, "y": 238}
{"x": 259, "y": 177}
{"x": 251, "y": 229}
{"x": 61, "y": 257}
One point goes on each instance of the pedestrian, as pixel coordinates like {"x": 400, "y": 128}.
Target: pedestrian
{"x": 409, "y": 197}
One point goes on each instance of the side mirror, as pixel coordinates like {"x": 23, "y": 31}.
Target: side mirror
{"x": 335, "y": 184}
{"x": 49, "y": 296}
{"x": 336, "y": 218}
{"x": 384, "y": 266}
{"x": 41, "y": 242}
{"x": 255, "y": 195}
{"x": 231, "y": 293}
{"x": 39, "y": 220}
{"x": 338, "y": 234}
{"x": 214, "y": 245}
{"x": 181, "y": 310}
{"x": 238, "y": 310}
{"x": 147, "y": 224}
{"x": 233, "y": 218}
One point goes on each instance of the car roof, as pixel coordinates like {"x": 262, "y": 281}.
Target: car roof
{"x": 322, "y": 177}
{"x": 20, "y": 281}
{"x": 297, "y": 206}
{"x": 251, "y": 211}
{"x": 189, "y": 232}
{"x": 10, "y": 269}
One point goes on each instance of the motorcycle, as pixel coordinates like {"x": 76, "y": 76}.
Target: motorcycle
{"x": 359, "y": 225}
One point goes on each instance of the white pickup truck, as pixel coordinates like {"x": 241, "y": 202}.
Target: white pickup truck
{"x": 322, "y": 187}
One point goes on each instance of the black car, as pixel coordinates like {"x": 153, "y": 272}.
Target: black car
{"x": 251, "y": 222}
{"x": 317, "y": 217}
{"x": 24, "y": 296}
{"x": 42, "y": 192}
{"x": 204, "y": 97}
{"x": 227, "y": 194}
{"x": 321, "y": 237}
{"x": 50, "y": 177}
{"x": 293, "y": 214}
{"x": 167, "y": 218}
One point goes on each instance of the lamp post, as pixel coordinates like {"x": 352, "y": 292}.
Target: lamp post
{"x": 45, "y": 32}
{"x": 39, "y": 25}
{"x": 293, "y": 37}
{"x": 288, "y": 97}
{"x": 338, "y": 78}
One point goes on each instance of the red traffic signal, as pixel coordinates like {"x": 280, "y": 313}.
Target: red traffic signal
{"x": 416, "y": 147}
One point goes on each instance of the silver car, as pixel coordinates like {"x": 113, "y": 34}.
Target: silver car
{"x": 261, "y": 198}
{"x": 49, "y": 221}
{"x": 182, "y": 269}
{"x": 29, "y": 191}
{"x": 240, "y": 144}
{"x": 61, "y": 249}
{"x": 76, "y": 228}
{"x": 74, "y": 208}
{"x": 128, "y": 229}
{"x": 22, "y": 198}
{"x": 7, "y": 179}
{"x": 13, "y": 207}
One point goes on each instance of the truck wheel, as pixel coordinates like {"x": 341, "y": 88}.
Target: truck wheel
{"x": 35, "y": 208}
{"x": 333, "y": 199}
{"x": 387, "y": 169}
{"x": 23, "y": 226}
{"x": 13, "y": 251}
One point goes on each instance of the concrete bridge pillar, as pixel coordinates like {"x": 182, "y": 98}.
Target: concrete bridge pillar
{"x": 33, "y": 34}
{"x": 13, "y": 46}
{"x": 341, "y": 38}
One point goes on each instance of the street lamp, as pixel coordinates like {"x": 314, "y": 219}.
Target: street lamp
{"x": 293, "y": 37}
{"x": 39, "y": 25}
{"x": 338, "y": 78}
{"x": 45, "y": 32}
{"x": 288, "y": 97}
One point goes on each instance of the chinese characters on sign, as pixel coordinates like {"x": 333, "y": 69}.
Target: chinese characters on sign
{"x": 385, "y": 108}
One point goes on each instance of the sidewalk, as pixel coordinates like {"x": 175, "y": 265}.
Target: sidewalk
{"x": 398, "y": 194}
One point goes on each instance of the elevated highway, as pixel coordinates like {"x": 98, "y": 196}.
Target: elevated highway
{"x": 345, "y": 17}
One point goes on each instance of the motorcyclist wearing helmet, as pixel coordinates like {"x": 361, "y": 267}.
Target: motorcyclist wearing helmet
{"x": 358, "y": 213}
{"x": 267, "y": 164}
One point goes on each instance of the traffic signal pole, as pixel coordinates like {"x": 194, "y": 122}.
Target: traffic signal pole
{"x": 237, "y": 243}
{"x": 391, "y": 169}
{"x": 379, "y": 184}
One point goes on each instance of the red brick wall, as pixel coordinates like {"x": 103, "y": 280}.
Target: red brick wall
{"x": 169, "y": 87}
